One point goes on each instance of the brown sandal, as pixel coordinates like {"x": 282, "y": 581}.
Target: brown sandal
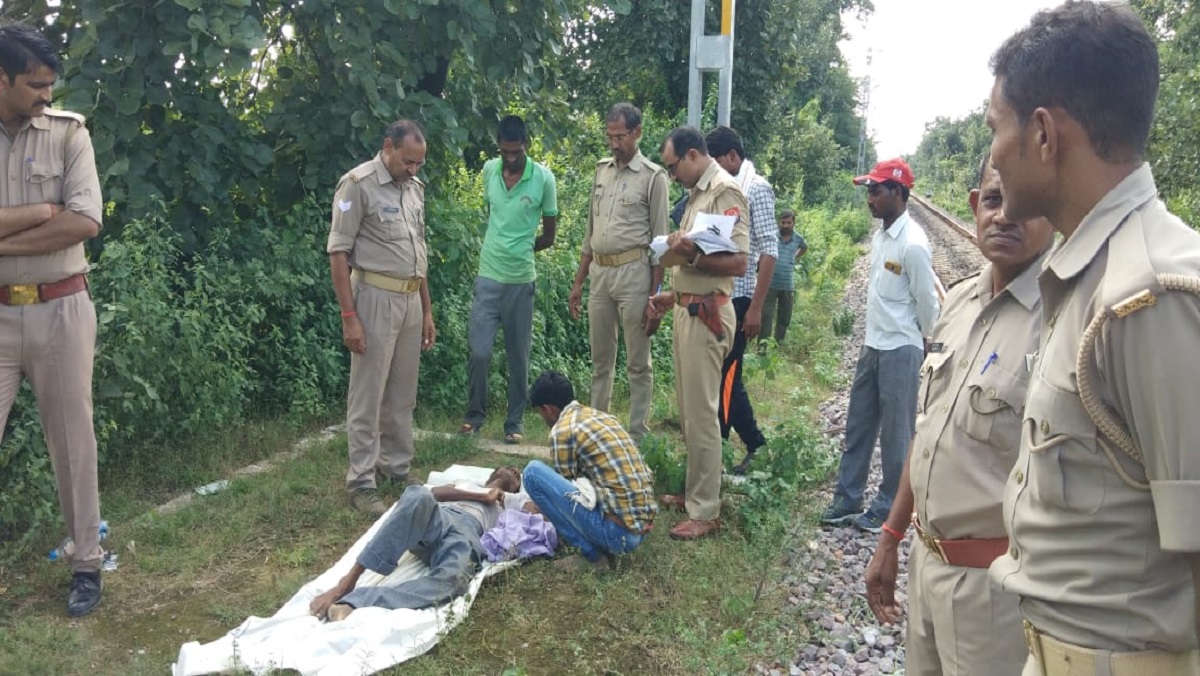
{"x": 468, "y": 428}
{"x": 514, "y": 438}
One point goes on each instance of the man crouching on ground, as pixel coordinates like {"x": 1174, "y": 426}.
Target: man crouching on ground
{"x": 443, "y": 527}
{"x": 590, "y": 444}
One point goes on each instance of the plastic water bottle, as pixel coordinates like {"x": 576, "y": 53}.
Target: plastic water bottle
{"x": 65, "y": 549}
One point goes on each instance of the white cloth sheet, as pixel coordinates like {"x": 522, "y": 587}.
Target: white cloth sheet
{"x": 369, "y": 640}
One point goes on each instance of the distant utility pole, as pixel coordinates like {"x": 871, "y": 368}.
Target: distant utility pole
{"x": 710, "y": 53}
{"x": 860, "y": 167}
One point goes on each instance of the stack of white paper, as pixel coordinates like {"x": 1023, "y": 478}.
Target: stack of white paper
{"x": 710, "y": 232}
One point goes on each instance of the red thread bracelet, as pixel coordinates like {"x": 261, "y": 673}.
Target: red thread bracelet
{"x": 347, "y": 315}
{"x": 892, "y": 531}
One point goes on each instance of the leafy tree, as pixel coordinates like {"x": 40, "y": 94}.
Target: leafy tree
{"x": 1175, "y": 138}
{"x": 785, "y": 56}
{"x": 218, "y": 106}
{"x": 946, "y": 162}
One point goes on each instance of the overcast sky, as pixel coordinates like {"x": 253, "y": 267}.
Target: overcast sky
{"x": 929, "y": 59}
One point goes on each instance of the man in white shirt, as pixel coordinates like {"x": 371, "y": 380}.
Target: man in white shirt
{"x": 902, "y": 306}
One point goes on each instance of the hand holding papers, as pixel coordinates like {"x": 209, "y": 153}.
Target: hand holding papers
{"x": 710, "y": 233}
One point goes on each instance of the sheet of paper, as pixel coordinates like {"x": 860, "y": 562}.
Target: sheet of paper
{"x": 717, "y": 224}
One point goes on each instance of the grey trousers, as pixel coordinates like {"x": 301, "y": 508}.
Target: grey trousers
{"x": 883, "y": 405}
{"x": 779, "y": 303}
{"x": 441, "y": 536}
{"x": 509, "y": 306}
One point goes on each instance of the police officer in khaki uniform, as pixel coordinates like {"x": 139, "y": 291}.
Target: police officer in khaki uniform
{"x": 49, "y": 205}
{"x": 1101, "y": 505}
{"x": 628, "y": 209}
{"x": 377, "y": 259}
{"x": 969, "y": 406}
{"x": 704, "y": 321}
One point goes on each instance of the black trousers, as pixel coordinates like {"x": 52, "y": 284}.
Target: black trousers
{"x": 734, "y": 410}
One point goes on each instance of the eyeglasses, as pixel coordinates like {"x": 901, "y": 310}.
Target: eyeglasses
{"x": 616, "y": 138}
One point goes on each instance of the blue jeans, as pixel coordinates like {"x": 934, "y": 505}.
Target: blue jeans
{"x": 441, "y": 536}
{"x": 883, "y": 405}
{"x": 586, "y": 529}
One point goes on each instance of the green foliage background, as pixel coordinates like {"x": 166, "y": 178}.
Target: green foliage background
{"x": 220, "y": 129}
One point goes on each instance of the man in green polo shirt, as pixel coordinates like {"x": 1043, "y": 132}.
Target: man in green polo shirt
{"x": 518, "y": 192}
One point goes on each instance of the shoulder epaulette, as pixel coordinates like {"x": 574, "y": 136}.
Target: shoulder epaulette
{"x": 960, "y": 280}
{"x": 1138, "y": 301}
{"x": 65, "y": 114}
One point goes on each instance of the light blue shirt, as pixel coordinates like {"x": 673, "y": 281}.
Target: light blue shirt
{"x": 902, "y": 301}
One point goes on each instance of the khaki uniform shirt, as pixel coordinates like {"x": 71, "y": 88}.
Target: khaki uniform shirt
{"x": 379, "y": 222}
{"x": 715, "y": 193}
{"x": 629, "y": 206}
{"x": 50, "y": 159}
{"x": 969, "y": 404}
{"x": 1097, "y": 562}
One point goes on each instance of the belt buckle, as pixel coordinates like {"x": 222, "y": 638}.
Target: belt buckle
{"x": 23, "y": 294}
{"x": 932, "y": 543}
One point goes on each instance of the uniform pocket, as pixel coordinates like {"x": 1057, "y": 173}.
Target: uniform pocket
{"x": 45, "y": 182}
{"x": 995, "y": 403}
{"x": 934, "y": 369}
{"x": 1065, "y": 466}
{"x": 392, "y": 220}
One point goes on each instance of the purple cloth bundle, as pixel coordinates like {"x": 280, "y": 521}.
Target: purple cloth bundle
{"x": 519, "y": 535}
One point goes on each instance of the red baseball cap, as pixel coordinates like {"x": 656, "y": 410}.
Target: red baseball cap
{"x": 888, "y": 170}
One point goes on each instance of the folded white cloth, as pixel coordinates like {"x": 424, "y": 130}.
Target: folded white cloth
{"x": 587, "y": 493}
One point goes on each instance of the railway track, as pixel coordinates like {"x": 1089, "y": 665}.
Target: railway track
{"x": 955, "y": 254}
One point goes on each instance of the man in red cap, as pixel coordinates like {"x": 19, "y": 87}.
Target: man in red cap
{"x": 902, "y": 306}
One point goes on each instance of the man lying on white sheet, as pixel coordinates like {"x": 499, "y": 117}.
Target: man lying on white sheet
{"x": 442, "y": 526}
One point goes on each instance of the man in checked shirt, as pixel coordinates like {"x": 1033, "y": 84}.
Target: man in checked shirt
{"x": 749, "y": 290}
{"x": 592, "y": 445}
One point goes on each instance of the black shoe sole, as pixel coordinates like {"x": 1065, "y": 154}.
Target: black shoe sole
{"x": 847, "y": 520}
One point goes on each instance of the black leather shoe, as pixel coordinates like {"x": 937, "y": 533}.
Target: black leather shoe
{"x": 740, "y": 469}
{"x": 84, "y": 595}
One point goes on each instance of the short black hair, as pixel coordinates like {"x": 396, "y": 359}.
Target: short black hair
{"x": 723, "y": 139}
{"x": 987, "y": 160}
{"x": 1094, "y": 60}
{"x": 399, "y": 129}
{"x": 23, "y": 48}
{"x": 512, "y": 129}
{"x": 626, "y": 112}
{"x": 787, "y": 213}
{"x": 683, "y": 139}
{"x": 551, "y": 388}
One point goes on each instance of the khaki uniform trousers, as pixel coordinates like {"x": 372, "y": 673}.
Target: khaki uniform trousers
{"x": 53, "y": 345}
{"x": 618, "y": 297}
{"x": 959, "y": 623}
{"x": 698, "y": 359}
{"x": 383, "y": 385}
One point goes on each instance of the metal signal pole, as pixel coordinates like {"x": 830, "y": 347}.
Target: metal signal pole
{"x": 710, "y": 53}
